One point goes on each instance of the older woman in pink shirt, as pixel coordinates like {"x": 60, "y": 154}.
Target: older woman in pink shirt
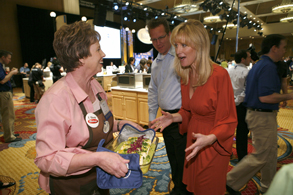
{"x": 73, "y": 116}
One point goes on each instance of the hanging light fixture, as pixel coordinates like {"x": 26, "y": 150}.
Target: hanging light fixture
{"x": 230, "y": 26}
{"x": 185, "y": 7}
{"x": 289, "y": 18}
{"x": 285, "y": 7}
{"x": 212, "y": 19}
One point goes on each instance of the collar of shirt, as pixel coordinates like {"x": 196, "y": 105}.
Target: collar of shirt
{"x": 79, "y": 93}
{"x": 170, "y": 52}
{"x": 240, "y": 64}
{"x": 268, "y": 58}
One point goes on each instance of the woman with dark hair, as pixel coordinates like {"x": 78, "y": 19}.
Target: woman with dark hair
{"x": 73, "y": 117}
{"x": 130, "y": 66}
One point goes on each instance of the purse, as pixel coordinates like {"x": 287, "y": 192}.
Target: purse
{"x": 133, "y": 178}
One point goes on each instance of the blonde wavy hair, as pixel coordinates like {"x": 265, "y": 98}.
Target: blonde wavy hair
{"x": 192, "y": 33}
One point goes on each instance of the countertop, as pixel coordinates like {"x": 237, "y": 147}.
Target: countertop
{"x": 129, "y": 89}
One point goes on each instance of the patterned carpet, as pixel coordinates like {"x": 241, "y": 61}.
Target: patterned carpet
{"x": 17, "y": 164}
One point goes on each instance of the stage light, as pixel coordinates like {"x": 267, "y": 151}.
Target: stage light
{"x": 116, "y": 7}
{"x": 53, "y": 14}
{"x": 134, "y": 20}
{"x": 125, "y": 18}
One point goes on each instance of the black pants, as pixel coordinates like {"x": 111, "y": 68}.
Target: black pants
{"x": 175, "y": 147}
{"x": 241, "y": 132}
{"x": 32, "y": 92}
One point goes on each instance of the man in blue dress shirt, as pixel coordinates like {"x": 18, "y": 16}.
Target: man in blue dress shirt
{"x": 6, "y": 98}
{"x": 262, "y": 100}
{"x": 165, "y": 92}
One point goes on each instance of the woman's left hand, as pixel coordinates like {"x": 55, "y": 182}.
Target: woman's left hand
{"x": 123, "y": 122}
{"x": 200, "y": 142}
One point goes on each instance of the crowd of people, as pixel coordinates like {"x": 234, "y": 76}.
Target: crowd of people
{"x": 202, "y": 105}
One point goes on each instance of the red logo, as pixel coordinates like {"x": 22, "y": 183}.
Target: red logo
{"x": 93, "y": 121}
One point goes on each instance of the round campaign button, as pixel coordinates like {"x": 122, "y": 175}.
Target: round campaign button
{"x": 106, "y": 127}
{"x": 92, "y": 120}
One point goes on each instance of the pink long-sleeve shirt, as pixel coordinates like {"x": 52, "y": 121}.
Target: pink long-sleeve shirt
{"x": 61, "y": 127}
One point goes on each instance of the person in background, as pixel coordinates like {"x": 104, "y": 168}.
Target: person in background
{"x": 208, "y": 113}
{"x": 164, "y": 92}
{"x": 150, "y": 58}
{"x": 262, "y": 101}
{"x": 73, "y": 117}
{"x": 25, "y": 70}
{"x": 31, "y": 84}
{"x": 37, "y": 79}
{"x": 129, "y": 68}
{"x": 141, "y": 65}
{"x": 149, "y": 66}
{"x": 56, "y": 69}
{"x": 224, "y": 64}
{"x": 238, "y": 76}
{"x": 6, "y": 98}
{"x": 113, "y": 65}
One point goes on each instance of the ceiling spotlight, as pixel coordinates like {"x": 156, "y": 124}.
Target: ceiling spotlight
{"x": 133, "y": 31}
{"x": 172, "y": 22}
{"x": 250, "y": 21}
{"x": 127, "y": 3}
{"x": 134, "y": 20}
{"x": 156, "y": 17}
{"x": 221, "y": 3}
{"x": 145, "y": 8}
{"x": 254, "y": 30}
{"x": 116, "y": 7}
{"x": 175, "y": 16}
{"x": 229, "y": 9}
{"x": 53, "y": 14}
{"x": 83, "y": 18}
{"x": 185, "y": 20}
{"x": 127, "y": 29}
{"x": 125, "y": 18}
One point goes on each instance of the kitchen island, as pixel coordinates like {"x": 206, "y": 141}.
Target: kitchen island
{"x": 131, "y": 104}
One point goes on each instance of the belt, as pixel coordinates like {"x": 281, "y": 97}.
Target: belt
{"x": 260, "y": 110}
{"x": 171, "y": 111}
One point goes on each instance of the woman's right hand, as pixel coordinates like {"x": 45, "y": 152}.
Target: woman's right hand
{"x": 162, "y": 122}
{"x": 113, "y": 164}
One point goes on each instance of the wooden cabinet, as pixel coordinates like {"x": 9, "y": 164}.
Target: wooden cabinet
{"x": 131, "y": 105}
{"x": 105, "y": 81}
{"x": 143, "y": 108}
{"x": 124, "y": 105}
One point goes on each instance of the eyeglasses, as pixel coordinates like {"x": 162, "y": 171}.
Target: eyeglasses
{"x": 159, "y": 39}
